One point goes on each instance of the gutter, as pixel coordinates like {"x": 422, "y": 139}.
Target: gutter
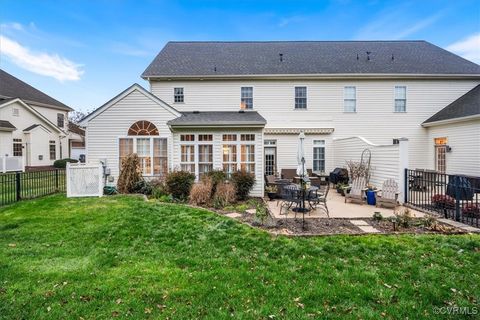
{"x": 448, "y": 121}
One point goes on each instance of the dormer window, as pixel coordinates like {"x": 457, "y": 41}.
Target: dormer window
{"x": 178, "y": 96}
{"x": 60, "y": 120}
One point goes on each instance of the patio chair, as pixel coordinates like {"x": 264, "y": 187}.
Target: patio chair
{"x": 289, "y": 174}
{"x": 357, "y": 191}
{"x": 289, "y": 198}
{"x": 389, "y": 194}
{"x": 318, "y": 198}
{"x": 270, "y": 180}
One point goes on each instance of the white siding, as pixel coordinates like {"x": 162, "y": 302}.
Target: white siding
{"x": 464, "y": 139}
{"x": 104, "y": 130}
{"x": 375, "y": 118}
{"x": 51, "y": 114}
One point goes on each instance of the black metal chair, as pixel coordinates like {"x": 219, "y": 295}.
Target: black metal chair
{"x": 317, "y": 198}
{"x": 289, "y": 197}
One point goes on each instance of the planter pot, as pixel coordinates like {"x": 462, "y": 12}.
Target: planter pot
{"x": 271, "y": 195}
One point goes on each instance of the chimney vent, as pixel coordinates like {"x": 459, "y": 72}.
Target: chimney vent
{"x": 281, "y": 57}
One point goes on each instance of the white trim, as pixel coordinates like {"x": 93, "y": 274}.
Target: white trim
{"x": 448, "y": 121}
{"x": 35, "y": 112}
{"x": 298, "y": 130}
{"x": 125, "y": 93}
{"x": 367, "y": 141}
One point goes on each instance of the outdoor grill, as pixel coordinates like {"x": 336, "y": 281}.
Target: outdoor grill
{"x": 339, "y": 175}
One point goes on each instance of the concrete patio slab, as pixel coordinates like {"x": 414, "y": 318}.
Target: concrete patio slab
{"x": 359, "y": 223}
{"x": 338, "y": 209}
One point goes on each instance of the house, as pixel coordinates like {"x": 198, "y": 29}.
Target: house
{"x": 242, "y": 105}
{"x": 33, "y": 126}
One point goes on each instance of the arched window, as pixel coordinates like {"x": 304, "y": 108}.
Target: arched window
{"x": 143, "y": 128}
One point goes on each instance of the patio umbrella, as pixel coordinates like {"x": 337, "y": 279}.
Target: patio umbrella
{"x": 301, "y": 169}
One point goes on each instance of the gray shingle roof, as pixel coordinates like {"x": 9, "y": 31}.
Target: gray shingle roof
{"x": 306, "y": 57}
{"x": 466, "y": 105}
{"x": 218, "y": 118}
{"x": 33, "y": 126}
{"x": 12, "y": 87}
{"x": 4, "y": 124}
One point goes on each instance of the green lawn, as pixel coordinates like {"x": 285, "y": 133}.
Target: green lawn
{"x": 123, "y": 257}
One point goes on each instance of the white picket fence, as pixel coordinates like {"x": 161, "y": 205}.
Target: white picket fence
{"x": 9, "y": 164}
{"x": 84, "y": 180}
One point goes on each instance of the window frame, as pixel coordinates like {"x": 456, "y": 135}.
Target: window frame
{"x": 395, "y": 99}
{"x": 62, "y": 125}
{"x": 238, "y": 143}
{"x": 180, "y": 96}
{"x": 345, "y": 99}
{"x": 196, "y": 143}
{"x": 296, "y": 98}
{"x": 52, "y": 143}
{"x": 242, "y": 97}
{"x": 152, "y": 155}
{"x": 17, "y": 142}
{"x": 319, "y": 146}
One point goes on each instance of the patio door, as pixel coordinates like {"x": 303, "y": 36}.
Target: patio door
{"x": 270, "y": 154}
{"x": 440, "y": 154}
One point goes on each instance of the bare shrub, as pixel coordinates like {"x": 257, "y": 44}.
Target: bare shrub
{"x": 224, "y": 195}
{"x": 130, "y": 174}
{"x": 357, "y": 170}
{"x": 201, "y": 192}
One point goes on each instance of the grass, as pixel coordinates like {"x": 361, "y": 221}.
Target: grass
{"x": 123, "y": 257}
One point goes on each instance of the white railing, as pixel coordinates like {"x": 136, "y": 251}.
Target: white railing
{"x": 8, "y": 164}
{"x": 84, "y": 180}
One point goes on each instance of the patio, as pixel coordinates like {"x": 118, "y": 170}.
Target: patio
{"x": 337, "y": 209}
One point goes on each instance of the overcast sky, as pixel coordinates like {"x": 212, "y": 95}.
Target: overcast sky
{"x": 85, "y": 52}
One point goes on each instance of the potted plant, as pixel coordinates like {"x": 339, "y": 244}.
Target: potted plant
{"x": 342, "y": 188}
{"x": 271, "y": 192}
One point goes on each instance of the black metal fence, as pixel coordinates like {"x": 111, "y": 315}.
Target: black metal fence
{"x": 454, "y": 197}
{"x": 17, "y": 186}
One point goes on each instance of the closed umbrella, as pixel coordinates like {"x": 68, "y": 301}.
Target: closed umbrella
{"x": 301, "y": 169}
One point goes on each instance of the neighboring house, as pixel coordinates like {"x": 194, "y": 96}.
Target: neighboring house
{"x": 242, "y": 105}
{"x": 76, "y": 141}
{"x": 33, "y": 125}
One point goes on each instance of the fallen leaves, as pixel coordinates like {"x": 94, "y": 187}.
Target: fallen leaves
{"x": 12, "y": 245}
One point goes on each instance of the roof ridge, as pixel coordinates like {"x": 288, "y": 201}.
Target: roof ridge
{"x": 288, "y": 41}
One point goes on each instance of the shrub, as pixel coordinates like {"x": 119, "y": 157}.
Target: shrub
{"x": 404, "y": 218}
{"x": 159, "y": 188}
{"x": 143, "y": 187}
{"x": 179, "y": 184}
{"x": 377, "y": 216}
{"x": 130, "y": 174}
{"x": 224, "y": 195}
{"x": 244, "y": 182}
{"x": 62, "y": 163}
{"x": 471, "y": 209}
{"x": 217, "y": 176}
{"x": 443, "y": 201}
{"x": 201, "y": 192}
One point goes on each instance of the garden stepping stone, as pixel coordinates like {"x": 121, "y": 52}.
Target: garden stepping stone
{"x": 368, "y": 229}
{"x": 359, "y": 223}
{"x": 251, "y": 211}
{"x": 233, "y": 215}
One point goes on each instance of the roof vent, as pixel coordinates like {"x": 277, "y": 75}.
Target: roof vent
{"x": 393, "y": 58}
{"x": 368, "y": 55}
{"x": 196, "y": 111}
{"x": 357, "y": 56}
{"x": 215, "y": 69}
{"x": 281, "y": 57}
{"x": 241, "y": 111}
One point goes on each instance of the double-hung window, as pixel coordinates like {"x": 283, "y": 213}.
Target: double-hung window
{"x": 60, "y": 120}
{"x": 52, "y": 149}
{"x": 187, "y": 152}
{"x": 400, "y": 99}
{"x": 143, "y": 152}
{"x": 178, "y": 96}
{"x": 350, "y": 99}
{"x": 17, "y": 148}
{"x": 238, "y": 152}
{"x": 246, "y": 96}
{"x": 160, "y": 156}
{"x": 300, "y": 97}
{"x": 125, "y": 147}
{"x": 318, "y": 155}
{"x": 196, "y": 153}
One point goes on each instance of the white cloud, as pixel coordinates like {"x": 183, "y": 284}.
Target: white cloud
{"x": 51, "y": 65}
{"x": 469, "y": 47}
